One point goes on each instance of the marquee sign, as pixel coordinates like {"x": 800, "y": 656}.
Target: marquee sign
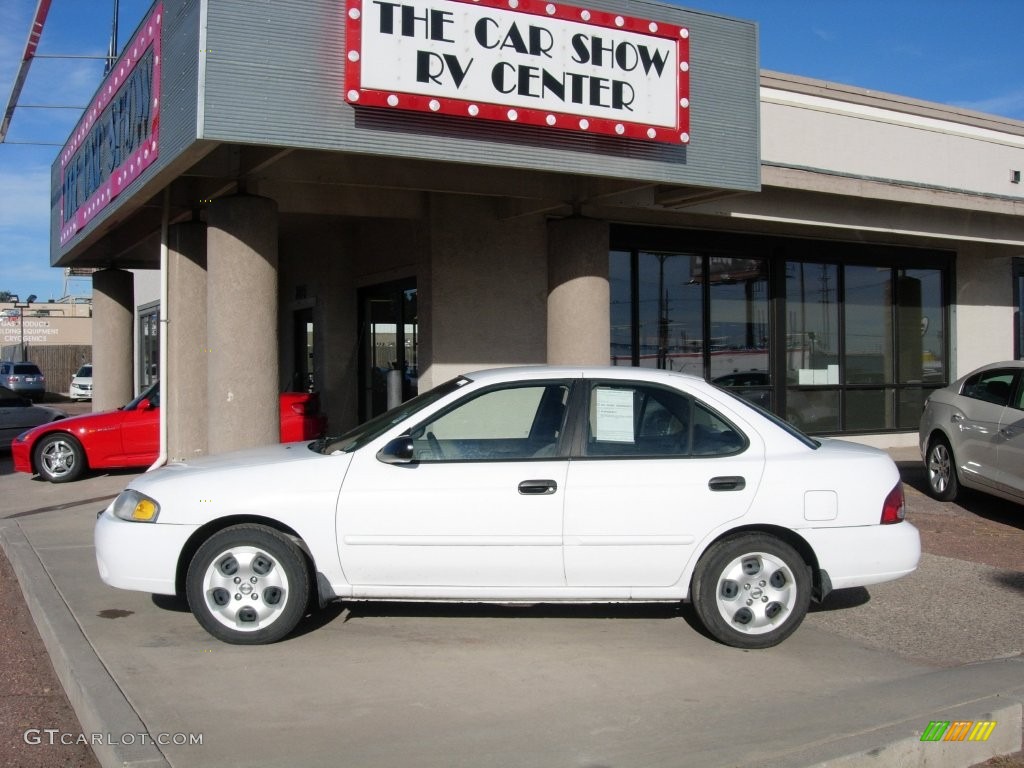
{"x": 521, "y": 61}
{"x": 117, "y": 137}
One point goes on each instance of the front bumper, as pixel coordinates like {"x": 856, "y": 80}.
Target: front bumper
{"x": 139, "y": 556}
{"x": 80, "y": 393}
{"x": 22, "y": 456}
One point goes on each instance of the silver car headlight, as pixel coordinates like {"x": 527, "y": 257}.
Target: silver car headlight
{"x": 136, "y": 507}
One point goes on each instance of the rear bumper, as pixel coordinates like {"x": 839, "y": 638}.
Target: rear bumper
{"x": 871, "y": 554}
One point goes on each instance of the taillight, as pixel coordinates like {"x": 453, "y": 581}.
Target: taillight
{"x": 894, "y": 508}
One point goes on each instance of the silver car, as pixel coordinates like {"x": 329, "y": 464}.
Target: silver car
{"x": 24, "y": 378}
{"x": 17, "y": 414}
{"x": 972, "y": 434}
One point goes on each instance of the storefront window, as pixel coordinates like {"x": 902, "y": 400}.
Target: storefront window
{"x": 812, "y": 346}
{"x": 869, "y": 331}
{"x": 739, "y": 316}
{"x": 837, "y": 338}
{"x": 620, "y": 277}
{"x": 670, "y": 312}
{"x": 1018, "y": 304}
{"x": 149, "y": 345}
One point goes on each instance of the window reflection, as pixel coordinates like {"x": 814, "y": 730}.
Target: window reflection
{"x": 922, "y": 327}
{"x": 859, "y": 348}
{"x": 869, "y": 332}
{"x": 739, "y": 318}
{"x": 670, "y": 311}
{"x": 812, "y": 324}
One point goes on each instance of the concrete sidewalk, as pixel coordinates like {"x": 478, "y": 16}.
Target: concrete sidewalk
{"x": 404, "y": 684}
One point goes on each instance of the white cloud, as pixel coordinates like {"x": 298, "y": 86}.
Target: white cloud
{"x": 1009, "y": 104}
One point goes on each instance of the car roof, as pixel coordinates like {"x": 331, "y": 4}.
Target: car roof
{"x": 527, "y": 372}
{"x": 987, "y": 367}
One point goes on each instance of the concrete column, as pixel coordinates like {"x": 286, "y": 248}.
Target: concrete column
{"x": 113, "y": 323}
{"x": 186, "y": 405}
{"x": 241, "y": 303}
{"x": 579, "y": 314}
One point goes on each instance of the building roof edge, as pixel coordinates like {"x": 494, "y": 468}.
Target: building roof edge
{"x": 857, "y": 95}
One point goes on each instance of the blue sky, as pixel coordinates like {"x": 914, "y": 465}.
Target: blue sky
{"x": 961, "y": 52}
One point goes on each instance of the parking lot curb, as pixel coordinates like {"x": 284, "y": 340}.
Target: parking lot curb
{"x": 891, "y": 746}
{"x": 109, "y": 722}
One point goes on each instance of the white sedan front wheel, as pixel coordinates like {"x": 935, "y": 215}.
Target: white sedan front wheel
{"x": 751, "y": 590}
{"x": 248, "y": 585}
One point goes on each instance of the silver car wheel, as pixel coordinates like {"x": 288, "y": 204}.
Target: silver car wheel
{"x": 245, "y": 589}
{"x": 756, "y": 593}
{"x": 59, "y": 458}
{"x": 939, "y": 467}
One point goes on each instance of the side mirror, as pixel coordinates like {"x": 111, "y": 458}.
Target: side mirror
{"x": 398, "y": 451}
{"x": 144, "y": 404}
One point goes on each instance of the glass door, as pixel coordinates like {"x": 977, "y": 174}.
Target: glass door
{"x": 1018, "y": 302}
{"x": 388, "y": 367}
{"x": 303, "y": 379}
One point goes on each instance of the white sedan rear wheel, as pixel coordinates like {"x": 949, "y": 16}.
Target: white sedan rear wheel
{"x": 751, "y": 590}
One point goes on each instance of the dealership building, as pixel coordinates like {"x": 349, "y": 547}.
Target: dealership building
{"x": 370, "y": 197}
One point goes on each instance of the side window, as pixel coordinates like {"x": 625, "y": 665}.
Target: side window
{"x": 638, "y": 420}
{"x": 521, "y": 422}
{"x": 713, "y": 435}
{"x": 991, "y": 386}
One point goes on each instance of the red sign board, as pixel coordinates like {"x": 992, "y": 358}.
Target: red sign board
{"x": 521, "y": 61}
{"x": 118, "y": 136}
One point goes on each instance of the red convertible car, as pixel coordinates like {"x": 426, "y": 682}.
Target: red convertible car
{"x": 130, "y": 436}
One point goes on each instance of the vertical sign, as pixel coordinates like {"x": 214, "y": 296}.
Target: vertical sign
{"x": 118, "y": 136}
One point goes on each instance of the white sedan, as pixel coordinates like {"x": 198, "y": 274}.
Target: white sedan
{"x": 528, "y": 485}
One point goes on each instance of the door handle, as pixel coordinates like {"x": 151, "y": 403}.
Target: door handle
{"x": 727, "y": 483}
{"x": 538, "y": 487}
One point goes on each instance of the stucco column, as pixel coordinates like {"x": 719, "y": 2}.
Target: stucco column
{"x": 579, "y": 315}
{"x": 241, "y": 326}
{"x": 113, "y": 311}
{"x": 186, "y": 409}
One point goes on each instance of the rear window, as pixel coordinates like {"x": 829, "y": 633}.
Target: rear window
{"x": 26, "y": 368}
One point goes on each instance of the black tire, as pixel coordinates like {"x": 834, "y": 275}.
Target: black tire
{"x": 248, "y": 585}
{"x": 59, "y": 458}
{"x": 751, "y": 590}
{"x": 940, "y": 470}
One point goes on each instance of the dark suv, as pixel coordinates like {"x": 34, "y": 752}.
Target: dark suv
{"x": 24, "y": 378}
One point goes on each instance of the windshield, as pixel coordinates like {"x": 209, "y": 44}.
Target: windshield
{"x": 378, "y": 425}
{"x": 781, "y": 423}
{"x": 85, "y": 372}
{"x": 151, "y": 393}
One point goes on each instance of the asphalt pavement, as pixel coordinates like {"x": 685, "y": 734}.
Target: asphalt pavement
{"x": 449, "y": 685}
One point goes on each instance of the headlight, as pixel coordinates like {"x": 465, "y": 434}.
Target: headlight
{"x": 136, "y": 507}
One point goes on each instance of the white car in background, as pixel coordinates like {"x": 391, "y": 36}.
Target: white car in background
{"x": 972, "y": 434}
{"x": 81, "y": 384}
{"x": 528, "y": 485}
